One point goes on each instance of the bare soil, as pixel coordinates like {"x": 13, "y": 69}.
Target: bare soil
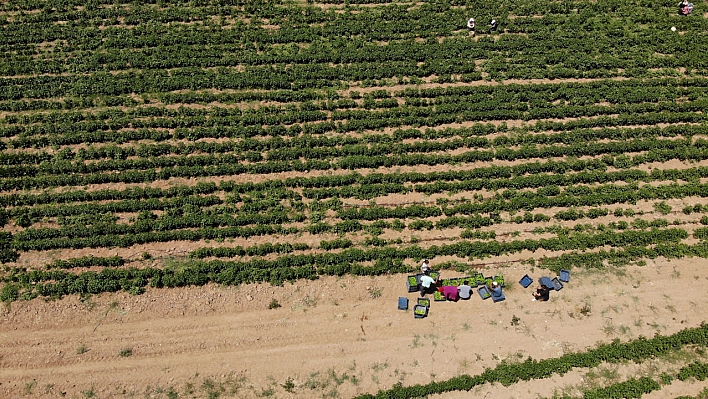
{"x": 338, "y": 337}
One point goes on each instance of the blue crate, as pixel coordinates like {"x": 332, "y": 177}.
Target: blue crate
{"x": 557, "y": 285}
{"x": 564, "y": 276}
{"x": 526, "y": 281}
{"x": 402, "y": 303}
{"x": 546, "y": 281}
{"x": 484, "y": 292}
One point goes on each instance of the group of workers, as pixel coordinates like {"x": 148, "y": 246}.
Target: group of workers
{"x": 464, "y": 290}
{"x": 471, "y": 26}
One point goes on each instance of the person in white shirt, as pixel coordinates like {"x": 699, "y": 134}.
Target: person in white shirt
{"x": 427, "y": 285}
{"x": 470, "y": 26}
{"x": 425, "y": 267}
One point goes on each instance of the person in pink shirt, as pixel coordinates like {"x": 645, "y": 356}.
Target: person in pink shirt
{"x": 450, "y": 293}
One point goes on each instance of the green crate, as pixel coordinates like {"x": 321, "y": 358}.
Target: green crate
{"x": 424, "y": 301}
{"x": 420, "y": 311}
{"x": 479, "y": 278}
{"x": 412, "y": 283}
{"x": 500, "y": 280}
{"x": 439, "y": 297}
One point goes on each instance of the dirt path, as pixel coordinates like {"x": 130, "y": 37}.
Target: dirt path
{"x": 333, "y": 337}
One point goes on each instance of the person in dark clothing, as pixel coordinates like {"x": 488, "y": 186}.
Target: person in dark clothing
{"x": 493, "y": 25}
{"x": 542, "y": 293}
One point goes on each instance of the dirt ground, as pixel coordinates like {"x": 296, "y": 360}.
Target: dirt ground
{"x": 339, "y": 337}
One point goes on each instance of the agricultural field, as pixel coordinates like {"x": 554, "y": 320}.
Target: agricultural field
{"x": 224, "y": 198}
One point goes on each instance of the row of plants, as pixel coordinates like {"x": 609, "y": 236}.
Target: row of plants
{"x": 509, "y": 373}
{"x": 202, "y": 211}
{"x": 68, "y": 173}
{"x": 630, "y": 96}
{"x": 20, "y": 283}
{"x": 308, "y": 146}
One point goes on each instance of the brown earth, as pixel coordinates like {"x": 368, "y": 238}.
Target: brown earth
{"x": 339, "y": 337}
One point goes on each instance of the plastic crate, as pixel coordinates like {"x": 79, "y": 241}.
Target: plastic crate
{"x": 546, "y": 281}
{"x": 434, "y": 274}
{"x": 469, "y": 281}
{"x": 402, "y": 303}
{"x": 413, "y": 283}
{"x": 424, "y": 301}
{"x": 439, "y": 297}
{"x": 484, "y": 292}
{"x": 420, "y": 311}
{"x": 557, "y": 285}
{"x": 500, "y": 280}
{"x": 564, "y": 276}
{"x": 480, "y": 279}
{"x": 526, "y": 281}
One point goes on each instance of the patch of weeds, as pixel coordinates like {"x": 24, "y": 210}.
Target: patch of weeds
{"x": 609, "y": 328}
{"x": 416, "y": 341}
{"x": 675, "y": 273}
{"x": 126, "y": 352}
{"x": 478, "y": 357}
{"x": 81, "y": 350}
{"x": 375, "y": 292}
{"x": 86, "y": 300}
{"x": 274, "y": 304}
{"x": 601, "y": 376}
{"x": 379, "y": 366}
{"x": 400, "y": 374}
{"x": 30, "y": 386}
{"x": 189, "y": 388}
{"x": 89, "y": 394}
{"x": 465, "y": 326}
{"x": 464, "y": 364}
{"x": 653, "y": 308}
{"x": 515, "y": 320}
{"x": 332, "y": 393}
{"x": 655, "y": 326}
{"x": 585, "y": 310}
{"x": 624, "y": 330}
{"x": 266, "y": 392}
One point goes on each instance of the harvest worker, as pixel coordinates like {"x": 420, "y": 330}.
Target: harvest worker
{"x": 465, "y": 290}
{"x": 427, "y": 285}
{"x": 542, "y": 293}
{"x": 493, "y": 25}
{"x": 685, "y": 8}
{"x": 470, "y": 26}
{"x": 425, "y": 267}
{"x": 449, "y": 292}
{"x": 497, "y": 294}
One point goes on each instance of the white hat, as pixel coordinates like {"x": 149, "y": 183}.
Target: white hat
{"x": 495, "y": 283}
